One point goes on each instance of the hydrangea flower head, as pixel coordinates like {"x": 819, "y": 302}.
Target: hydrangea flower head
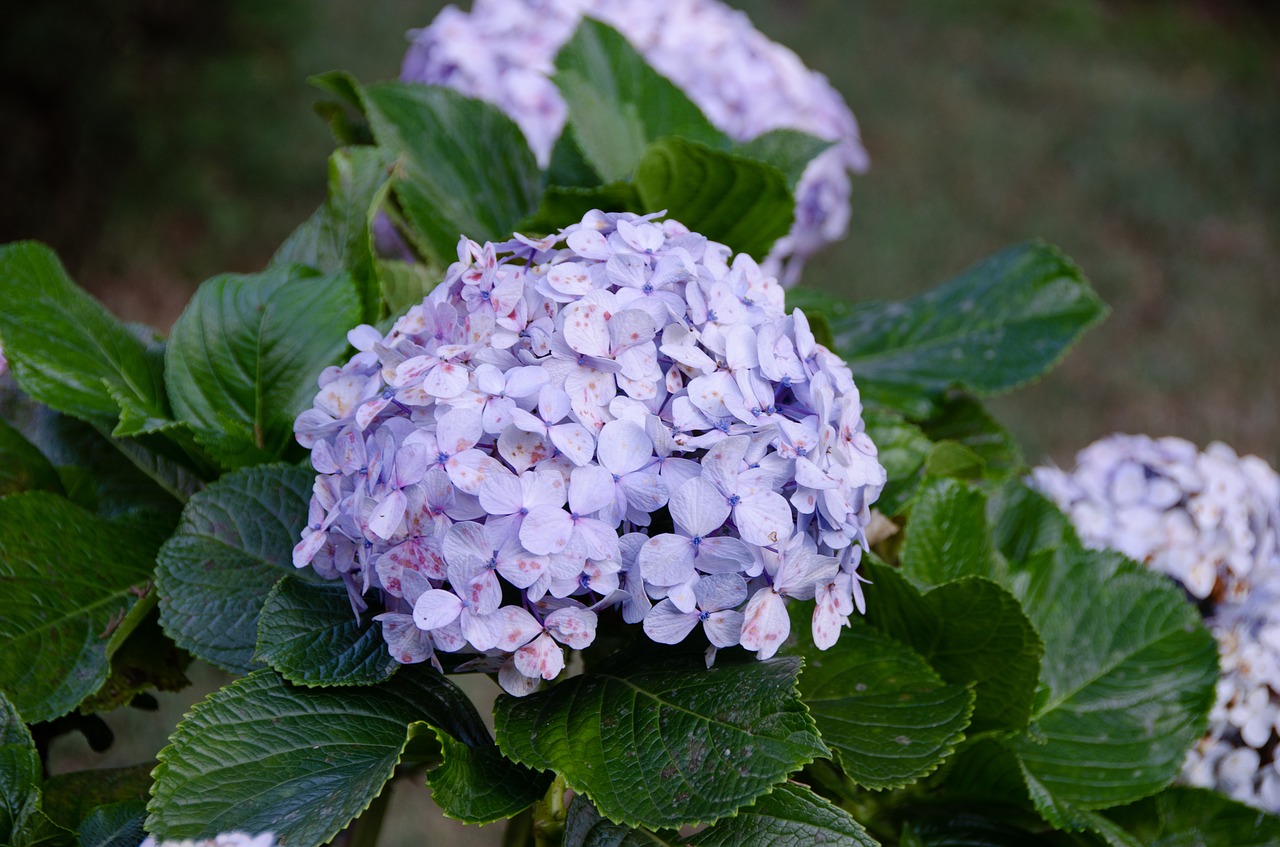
{"x": 616, "y": 422}
{"x": 504, "y": 51}
{"x": 1211, "y": 521}
{"x": 223, "y": 839}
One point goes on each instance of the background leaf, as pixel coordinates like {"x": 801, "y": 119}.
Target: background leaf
{"x": 65, "y": 349}
{"x": 233, "y": 544}
{"x": 71, "y": 797}
{"x": 948, "y": 536}
{"x": 788, "y": 150}
{"x": 67, "y": 582}
{"x": 728, "y": 198}
{"x": 1195, "y": 817}
{"x": 262, "y": 755}
{"x": 308, "y": 632}
{"x": 462, "y": 166}
{"x": 1001, "y": 324}
{"x": 476, "y": 784}
{"x": 114, "y": 825}
{"x": 903, "y": 448}
{"x": 618, "y": 105}
{"x": 888, "y": 716}
{"x": 243, "y": 357}
{"x": 664, "y": 741}
{"x": 788, "y": 816}
{"x": 22, "y": 466}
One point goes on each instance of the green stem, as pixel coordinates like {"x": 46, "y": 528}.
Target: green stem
{"x": 549, "y": 814}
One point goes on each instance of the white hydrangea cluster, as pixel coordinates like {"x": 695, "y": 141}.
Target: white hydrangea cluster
{"x": 224, "y": 839}
{"x": 618, "y": 417}
{"x": 504, "y": 51}
{"x": 1210, "y": 520}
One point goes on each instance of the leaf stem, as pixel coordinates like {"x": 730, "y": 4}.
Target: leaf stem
{"x": 549, "y": 815}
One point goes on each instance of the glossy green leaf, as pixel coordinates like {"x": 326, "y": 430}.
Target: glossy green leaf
{"x": 948, "y": 536}
{"x": 308, "y": 632}
{"x": 476, "y": 784}
{"x": 243, "y": 357}
{"x": 338, "y": 236}
{"x": 462, "y": 168}
{"x": 233, "y": 544}
{"x": 970, "y": 631}
{"x": 22, "y": 466}
{"x": 726, "y": 197}
{"x": 68, "y": 579}
{"x": 789, "y": 816}
{"x": 1195, "y": 817}
{"x": 263, "y": 755}
{"x": 65, "y": 349}
{"x": 1025, "y": 523}
{"x": 584, "y": 827}
{"x": 19, "y": 789}
{"x": 955, "y": 460}
{"x": 903, "y": 450}
{"x": 563, "y": 206}
{"x": 788, "y": 150}
{"x": 114, "y": 825}
{"x": 70, "y": 797}
{"x": 879, "y": 705}
{"x": 664, "y": 741}
{"x": 999, "y": 325}
{"x": 618, "y": 104}
{"x": 962, "y": 419}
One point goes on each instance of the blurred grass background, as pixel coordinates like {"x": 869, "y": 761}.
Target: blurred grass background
{"x": 155, "y": 144}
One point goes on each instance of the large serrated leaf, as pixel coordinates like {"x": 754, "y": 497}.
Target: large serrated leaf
{"x": 476, "y": 784}
{"x": 879, "y": 705}
{"x": 232, "y": 545}
{"x": 789, "y": 816}
{"x": 70, "y": 797}
{"x": 584, "y": 827}
{"x": 243, "y": 357}
{"x": 726, "y": 197}
{"x": 618, "y": 104}
{"x": 114, "y": 825}
{"x": 338, "y": 236}
{"x": 1195, "y": 817}
{"x": 65, "y": 349}
{"x": 948, "y": 536}
{"x": 68, "y": 579}
{"x": 262, "y": 755}
{"x": 463, "y": 166}
{"x": 970, "y": 631}
{"x": 999, "y": 325}
{"x": 310, "y": 635}
{"x": 664, "y": 741}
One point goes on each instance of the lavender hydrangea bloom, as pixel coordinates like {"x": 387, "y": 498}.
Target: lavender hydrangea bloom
{"x": 489, "y": 464}
{"x": 224, "y": 839}
{"x": 1211, "y": 521}
{"x": 503, "y": 51}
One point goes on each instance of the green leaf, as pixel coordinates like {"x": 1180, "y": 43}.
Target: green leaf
{"x": 309, "y": 633}
{"x": 1025, "y": 523}
{"x": 476, "y": 784}
{"x": 968, "y": 830}
{"x": 963, "y": 419}
{"x": 728, "y": 198}
{"x": 948, "y": 536}
{"x": 665, "y": 741}
{"x": 65, "y": 349}
{"x": 233, "y": 544}
{"x": 955, "y": 460}
{"x": 1001, "y": 324}
{"x": 19, "y": 789}
{"x": 1130, "y": 672}
{"x": 970, "y": 631}
{"x": 879, "y": 705}
{"x": 404, "y": 284}
{"x": 244, "y": 356}
{"x": 583, "y": 827}
{"x": 788, "y": 150}
{"x": 563, "y": 206}
{"x": 13, "y": 729}
{"x": 568, "y": 167}
{"x": 146, "y": 660}
{"x": 262, "y": 755}
{"x": 618, "y": 105}
{"x": 116, "y": 825}
{"x": 67, "y": 581}
{"x": 1195, "y": 817}
{"x": 70, "y": 797}
{"x": 462, "y": 168}
{"x": 789, "y": 816}
{"x": 22, "y": 466}
{"x": 338, "y": 236}
{"x": 903, "y": 450}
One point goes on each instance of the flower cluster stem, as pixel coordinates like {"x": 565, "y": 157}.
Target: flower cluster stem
{"x": 549, "y": 815}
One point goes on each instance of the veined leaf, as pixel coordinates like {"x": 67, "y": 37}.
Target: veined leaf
{"x": 788, "y": 150}
{"x": 233, "y": 545}
{"x": 948, "y": 536}
{"x": 243, "y": 358}
{"x": 666, "y": 741}
{"x": 65, "y": 349}
{"x": 1195, "y": 817}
